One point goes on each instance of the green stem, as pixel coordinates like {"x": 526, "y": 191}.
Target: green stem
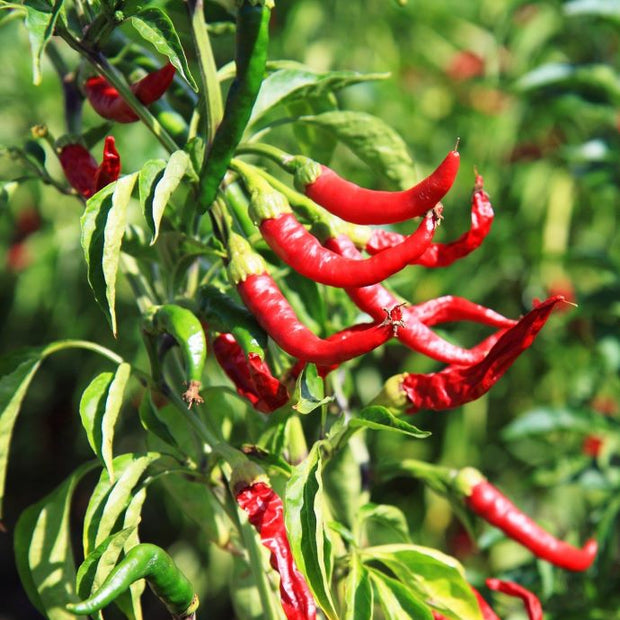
{"x": 288, "y": 162}
{"x": 235, "y": 199}
{"x": 72, "y": 96}
{"x": 60, "y": 345}
{"x": 145, "y": 296}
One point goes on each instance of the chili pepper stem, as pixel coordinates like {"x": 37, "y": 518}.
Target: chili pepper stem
{"x": 284, "y": 160}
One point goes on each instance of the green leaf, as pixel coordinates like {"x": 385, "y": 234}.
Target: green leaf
{"x": 43, "y": 553}
{"x": 593, "y": 8}
{"x": 382, "y": 419}
{"x": 306, "y": 529}
{"x": 430, "y": 576}
{"x": 158, "y": 181}
{"x": 380, "y": 522}
{"x": 40, "y": 21}
{"x": 152, "y": 422}
{"x": 397, "y": 601}
{"x": 372, "y": 140}
{"x": 358, "y": 594}
{"x": 309, "y": 391}
{"x": 103, "y": 227}
{"x": 99, "y": 408}
{"x": 154, "y": 25}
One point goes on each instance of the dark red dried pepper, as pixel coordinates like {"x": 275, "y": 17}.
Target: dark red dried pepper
{"x": 266, "y": 513}
{"x": 251, "y": 375}
{"x": 444, "y": 254}
{"x": 488, "y": 502}
{"x": 82, "y": 171}
{"x": 365, "y": 206}
{"x": 108, "y": 103}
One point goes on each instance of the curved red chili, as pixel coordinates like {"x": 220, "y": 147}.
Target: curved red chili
{"x": 108, "y": 103}
{"x": 444, "y": 254}
{"x": 251, "y": 375}
{"x": 82, "y": 171}
{"x": 530, "y": 600}
{"x": 263, "y": 298}
{"x": 488, "y": 502}
{"x": 366, "y": 206}
{"x": 266, "y": 513}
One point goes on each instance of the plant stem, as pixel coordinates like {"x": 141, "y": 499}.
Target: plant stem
{"x": 60, "y": 345}
{"x": 72, "y": 96}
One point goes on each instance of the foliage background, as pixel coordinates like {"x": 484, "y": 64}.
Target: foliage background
{"x": 546, "y": 141}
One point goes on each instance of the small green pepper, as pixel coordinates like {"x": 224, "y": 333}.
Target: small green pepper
{"x": 144, "y": 561}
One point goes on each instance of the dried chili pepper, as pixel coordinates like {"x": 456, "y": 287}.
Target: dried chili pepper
{"x": 248, "y": 272}
{"x": 252, "y": 40}
{"x": 365, "y": 206}
{"x": 266, "y": 513}
{"x": 251, "y": 375}
{"x": 82, "y": 171}
{"x": 458, "y": 384}
{"x": 444, "y": 254}
{"x": 144, "y": 561}
{"x": 530, "y": 600}
{"x": 488, "y": 502}
{"x": 303, "y": 252}
{"x": 108, "y": 103}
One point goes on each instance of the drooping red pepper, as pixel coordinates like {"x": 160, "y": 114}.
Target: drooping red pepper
{"x": 365, "y": 206}
{"x": 458, "y": 384}
{"x": 266, "y": 513}
{"x": 488, "y": 502}
{"x": 261, "y": 295}
{"x": 530, "y": 600}
{"x": 444, "y": 254}
{"x": 82, "y": 171}
{"x": 302, "y": 251}
{"x": 108, "y": 103}
{"x": 251, "y": 375}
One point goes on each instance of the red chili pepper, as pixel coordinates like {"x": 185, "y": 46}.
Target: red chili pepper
{"x": 365, "y": 206}
{"x": 263, "y": 298}
{"x": 592, "y": 445}
{"x": 266, "y": 513}
{"x": 488, "y": 502}
{"x": 444, "y": 254}
{"x": 108, "y": 103}
{"x": 251, "y": 375}
{"x": 530, "y": 600}
{"x": 457, "y": 384}
{"x": 82, "y": 171}
{"x": 415, "y": 333}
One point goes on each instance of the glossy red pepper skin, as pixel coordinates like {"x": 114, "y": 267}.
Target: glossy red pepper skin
{"x": 251, "y": 375}
{"x": 444, "y": 254}
{"x": 495, "y": 508}
{"x": 530, "y": 600}
{"x": 303, "y": 252}
{"x": 365, "y": 206}
{"x": 266, "y": 513}
{"x": 82, "y": 171}
{"x": 109, "y": 104}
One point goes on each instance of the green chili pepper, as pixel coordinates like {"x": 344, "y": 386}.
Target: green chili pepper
{"x": 186, "y": 329}
{"x": 144, "y": 561}
{"x": 250, "y": 58}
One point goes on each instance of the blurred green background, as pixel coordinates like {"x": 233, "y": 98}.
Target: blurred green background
{"x": 531, "y": 90}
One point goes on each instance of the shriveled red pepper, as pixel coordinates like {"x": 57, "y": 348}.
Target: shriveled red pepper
{"x": 266, "y": 513}
{"x": 444, "y": 254}
{"x": 458, "y": 384}
{"x": 488, "y": 502}
{"x": 251, "y": 375}
{"x": 108, "y": 103}
{"x": 302, "y": 251}
{"x": 530, "y": 600}
{"x": 82, "y": 171}
{"x": 365, "y": 206}
{"x": 261, "y": 295}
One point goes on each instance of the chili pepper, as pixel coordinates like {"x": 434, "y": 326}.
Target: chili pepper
{"x": 248, "y": 272}
{"x": 458, "y": 384}
{"x": 186, "y": 329}
{"x": 365, "y": 206}
{"x": 252, "y": 40}
{"x": 488, "y": 502}
{"x": 303, "y": 252}
{"x": 108, "y": 103}
{"x": 251, "y": 375}
{"x": 485, "y": 608}
{"x": 530, "y": 600}
{"x": 144, "y": 561}
{"x": 266, "y": 513}
{"x": 81, "y": 169}
{"x": 444, "y": 254}
{"x": 416, "y": 334}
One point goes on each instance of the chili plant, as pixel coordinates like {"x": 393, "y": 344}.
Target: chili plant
{"x": 241, "y": 249}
